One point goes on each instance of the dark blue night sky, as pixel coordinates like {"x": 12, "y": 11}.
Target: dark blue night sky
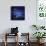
{"x": 17, "y": 13}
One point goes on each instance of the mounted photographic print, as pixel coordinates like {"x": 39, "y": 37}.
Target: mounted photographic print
{"x": 41, "y": 8}
{"x": 17, "y": 12}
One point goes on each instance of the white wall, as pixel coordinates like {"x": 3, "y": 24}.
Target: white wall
{"x": 24, "y": 26}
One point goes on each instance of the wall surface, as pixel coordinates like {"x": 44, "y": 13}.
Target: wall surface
{"x": 24, "y": 26}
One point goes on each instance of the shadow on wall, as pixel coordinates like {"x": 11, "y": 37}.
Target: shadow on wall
{"x": 7, "y": 31}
